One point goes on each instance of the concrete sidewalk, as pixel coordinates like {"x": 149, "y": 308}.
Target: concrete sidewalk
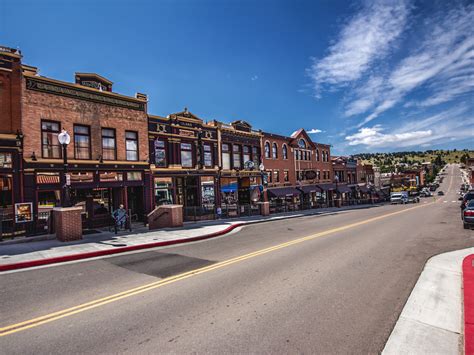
{"x": 432, "y": 320}
{"x": 35, "y": 253}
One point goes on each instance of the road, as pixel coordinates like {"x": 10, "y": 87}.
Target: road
{"x": 319, "y": 284}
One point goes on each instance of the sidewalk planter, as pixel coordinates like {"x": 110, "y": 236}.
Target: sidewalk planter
{"x": 166, "y": 216}
{"x": 68, "y": 223}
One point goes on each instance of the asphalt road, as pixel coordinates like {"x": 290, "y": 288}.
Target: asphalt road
{"x": 339, "y": 290}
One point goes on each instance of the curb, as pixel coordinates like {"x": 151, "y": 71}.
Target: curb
{"x": 468, "y": 283}
{"x": 93, "y": 254}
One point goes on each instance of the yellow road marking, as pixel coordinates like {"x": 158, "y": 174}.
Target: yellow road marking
{"x": 14, "y": 328}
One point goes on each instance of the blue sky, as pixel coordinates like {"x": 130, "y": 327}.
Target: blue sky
{"x": 370, "y": 75}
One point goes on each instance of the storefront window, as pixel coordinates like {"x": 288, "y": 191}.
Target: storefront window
{"x": 163, "y": 191}
{"x": 47, "y": 200}
{"x": 81, "y": 177}
{"x": 110, "y": 176}
{"x": 134, "y": 176}
{"x": 82, "y": 142}
{"x": 160, "y": 153}
{"x": 5, "y": 191}
{"x": 236, "y": 156}
{"x": 50, "y": 146}
{"x": 207, "y": 155}
{"x": 246, "y": 153}
{"x": 229, "y": 187}
{"x": 270, "y": 176}
{"x": 109, "y": 151}
{"x": 5, "y": 160}
{"x": 207, "y": 190}
{"x": 186, "y": 155}
{"x": 225, "y": 157}
{"x": 131, "y": 145}
{"x": 276, "y": 176}
{"x": 285, "y": 176}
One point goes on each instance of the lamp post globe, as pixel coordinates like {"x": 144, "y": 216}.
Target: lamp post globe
{"x": 64, "y": 139}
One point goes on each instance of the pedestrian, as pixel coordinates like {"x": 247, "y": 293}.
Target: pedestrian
{"x": 120, "y": 216}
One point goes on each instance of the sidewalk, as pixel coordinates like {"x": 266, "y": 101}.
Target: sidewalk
{"x": 432, "y": 320}
{"x": 28, "y": 254}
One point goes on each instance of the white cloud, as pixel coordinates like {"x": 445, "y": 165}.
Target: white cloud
{"x": 314, "y": 131}
{"x": 450, "y": 125}
{"x": 253, "y": 78}
{"x": 443, "y": 64}
{"x": 366, "y": 37}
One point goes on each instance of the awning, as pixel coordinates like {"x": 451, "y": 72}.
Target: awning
{"x": 283, "y": 192}
{"x": 229, "y": 188}
{"x": 309, "y": 188}
{"x": 364, "y": 189}
{"x": 343, "y": 189}
{"x": 327, "y": 187}
{"x": 47, "y": 179}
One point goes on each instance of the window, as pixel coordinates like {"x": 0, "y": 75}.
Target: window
{"x": 134, "y": 176}
{"x": 207, "y": 155}
{"x": 318, "y": 174}
{"x": 160, "y": 153}
{"x": 274, "y": 151}
{"x": 317, "y": 154}
{"x": 236, "y": 156}
{"x": 109, "y": 151}
{"x": 302, "y": 143}
{"x": 186, "y": 155}
{"x": 225, "y": 157}
{"x": 270, "y": 176}
{"x": 246, "y": 153}
{"x": 255, "y": 156}
{"x": 82, "y": 142}
{"x": 50, "y": 146}
{"x": 5, "y": 160}
{"x": 286, "y": 178}
{"x": 305, "y": 155}
{"x": 131, "y": 145}
{"x": 276, "y": 176}
{"x": 267, "y": 150}
{"x": 285, "y": 151}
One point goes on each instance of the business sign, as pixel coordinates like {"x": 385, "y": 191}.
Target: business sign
{"x": 186, "y": 133}
{"x": 23, "y": 212}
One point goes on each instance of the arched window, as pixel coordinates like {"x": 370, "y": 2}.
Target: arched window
{"x": 285, "y": 151}
{"x": 317, "y": 154}
{"x": 302, "y": 143}
{"x": 274, "y": 151}
{"x": 267, "y": 150}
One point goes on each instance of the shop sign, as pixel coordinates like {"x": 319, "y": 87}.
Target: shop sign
{"x": 23, "y": 212}
{"x": 186, "y": 133}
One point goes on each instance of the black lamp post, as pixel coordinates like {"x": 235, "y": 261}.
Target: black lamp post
{"x": 336, "y": 180}
{"x": 64, "y": 139}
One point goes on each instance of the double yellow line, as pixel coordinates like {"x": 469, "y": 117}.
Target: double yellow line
{"x": 31, "y": 323}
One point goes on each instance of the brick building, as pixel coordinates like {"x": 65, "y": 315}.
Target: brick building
{"x": 11, "y": 138}
{"x": 184, "y": 161}
{"x": 239, "y": 174}
{"x": 108, "y": 154}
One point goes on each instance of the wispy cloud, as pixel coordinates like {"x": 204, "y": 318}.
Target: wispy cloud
{"x": 365, "y": 38}
{"x": 314, "y": 131}
{"x": 443, "y": 64}
{"x": 253, "y": 78}
{"x": 452, "y": 124}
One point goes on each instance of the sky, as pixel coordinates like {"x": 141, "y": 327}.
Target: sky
{"x": 363, "y": 76}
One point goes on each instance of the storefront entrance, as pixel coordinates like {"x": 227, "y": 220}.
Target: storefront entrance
{"x": 135, "y": 203}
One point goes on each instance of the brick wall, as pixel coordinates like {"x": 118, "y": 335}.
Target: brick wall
{"x": 279, "y": 164}
{"x": 69, "y": 111}
{"x": 68, "y": 224}
{"x": 10, "y": 96}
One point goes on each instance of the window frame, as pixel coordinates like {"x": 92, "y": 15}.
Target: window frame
{"x": 128, "y": 150}
{"x": 190, "y": 150}
{"x": 51, "y": 145}
{"x": 88, "y": 135}
{"x": 274, "y": 151}
{"x": 227, "y": 154}
{"x": 236, "y": 153}
{"x": 267, "y": 150}
{"x": 284, "y": 150}
{"x": 102, "y": 142}
{"x": 155, "y": 148}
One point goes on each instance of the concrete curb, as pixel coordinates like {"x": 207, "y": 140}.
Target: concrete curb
{"x": 93, "y": 254}
{"x": 431, "y": 320}
{"x": 468, "y": 283}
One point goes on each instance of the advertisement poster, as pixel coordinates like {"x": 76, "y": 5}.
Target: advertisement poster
{"x": 23, "y": 212}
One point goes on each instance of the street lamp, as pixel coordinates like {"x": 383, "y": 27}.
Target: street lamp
{"x": 336, "y": 180}
{"x": 64, "y": 139}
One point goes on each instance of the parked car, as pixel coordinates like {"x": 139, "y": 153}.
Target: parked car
{"x": 465, "y": 200}
{"x": 440, "y": 193}
{"x": 399, "y": 197}
{"x": 468, "y": 215}
{"x": 413, "y": 197}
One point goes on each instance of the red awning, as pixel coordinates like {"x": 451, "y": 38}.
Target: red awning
{"x": 47, "y": 179}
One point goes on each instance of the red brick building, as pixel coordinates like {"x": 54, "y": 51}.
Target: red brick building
{"x": 108, "y": 154}
{"x": 11, "y": 139}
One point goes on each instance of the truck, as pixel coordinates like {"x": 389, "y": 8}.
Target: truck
{"x": 399, "y": 197}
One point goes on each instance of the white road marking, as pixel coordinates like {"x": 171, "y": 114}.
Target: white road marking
{"x": 445, "y": 201}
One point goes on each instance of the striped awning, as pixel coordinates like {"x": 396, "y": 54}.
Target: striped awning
{"x": 47, "y": 179}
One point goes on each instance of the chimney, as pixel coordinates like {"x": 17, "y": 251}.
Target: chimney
{"x": 141, "y": 96}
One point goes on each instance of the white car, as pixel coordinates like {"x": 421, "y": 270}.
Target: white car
{"x": 396, "y": 198}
